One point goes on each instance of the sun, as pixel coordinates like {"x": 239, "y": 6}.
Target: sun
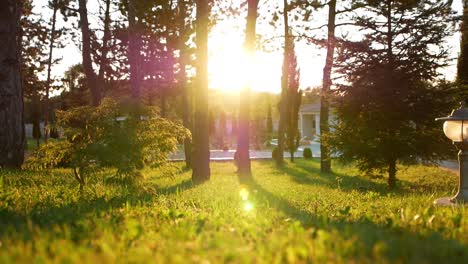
{"x": 231, "y": 69}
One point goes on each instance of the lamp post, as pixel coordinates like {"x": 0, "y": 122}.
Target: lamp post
{"x": 456, "y": 129}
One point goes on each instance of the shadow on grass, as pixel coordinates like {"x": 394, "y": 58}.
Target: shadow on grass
{"x": 400, "y": 244}
{"x": 303, "y": 172}
{"x": 48, "y": 213}
{"x": 179, "y": 187}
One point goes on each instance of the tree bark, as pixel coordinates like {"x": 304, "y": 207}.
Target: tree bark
{"x": 243, "y": 142}
{"x": 12, "y": 138}
{"x": 201, "y": 153}
{"x": 133, "y": 51}
{"x": 325, "y": 157}
{"x": 86, "y": 53}
{"x": 186, "y": 113}
{"x": 279, "y": 158}
{"x": 49, "y": 69}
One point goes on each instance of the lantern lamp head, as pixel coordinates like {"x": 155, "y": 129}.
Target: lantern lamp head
{"x": 456, "y": 125}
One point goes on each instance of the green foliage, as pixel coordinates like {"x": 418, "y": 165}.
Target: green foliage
{"x": 462, "y": 67}
{"x": 104, "y": 136}
{"x": 292, "y": 98}
{"x": 307, "y": 153}
{"x": 298, "y": 216}
{"x": 387, "y": 106}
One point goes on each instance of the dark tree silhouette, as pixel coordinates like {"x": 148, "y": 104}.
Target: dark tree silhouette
{"x": 382, "y": 109}
{"x": 293, "y": 99}
{"x": 279, "y": 157}
{"x": 243, "y": 142}
{"x": 49, "y": 68}
{"x": 325, "y": 157}
{"x": 201, "y": 145}
{"x": 91, "y": 78}
{"x": 184, "y": 58}
{"x": 462, "y": 70}
{"x": 12, "y": 139}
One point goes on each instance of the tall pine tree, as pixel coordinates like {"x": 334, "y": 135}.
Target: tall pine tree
{"x": 293, "y": 98}
{"x": 386, "y": 108}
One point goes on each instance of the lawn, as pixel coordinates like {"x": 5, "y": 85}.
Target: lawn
{"x": 293, "y": 214}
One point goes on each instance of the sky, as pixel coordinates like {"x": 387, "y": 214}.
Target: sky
{"x": 227, "y": 60}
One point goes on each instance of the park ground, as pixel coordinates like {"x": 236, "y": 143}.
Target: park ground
{"x": 292, "y": 214}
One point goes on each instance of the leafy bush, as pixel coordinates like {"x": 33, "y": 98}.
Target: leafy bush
{"x": 104, "y": 136}
{"x": 307, "y": 153}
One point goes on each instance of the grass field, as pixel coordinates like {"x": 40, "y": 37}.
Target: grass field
{"x": 293, "y": 214}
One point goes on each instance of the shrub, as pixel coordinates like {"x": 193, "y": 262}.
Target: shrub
{"x": 94, "y": 138}
{"x": 307, "y": 153}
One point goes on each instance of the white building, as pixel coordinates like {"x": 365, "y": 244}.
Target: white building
{"x": 309, "y": 120}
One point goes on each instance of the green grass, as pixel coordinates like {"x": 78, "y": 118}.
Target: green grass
{"x": 298, "y": 216}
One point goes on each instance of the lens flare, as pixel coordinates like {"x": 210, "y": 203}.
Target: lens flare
{"x": 244, "y": 193}
{"x": 248, "y": 206}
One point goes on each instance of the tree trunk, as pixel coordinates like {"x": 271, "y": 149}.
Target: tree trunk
{"x": 12, "y": 138}
{"x": 86, "y": 53}
{"x": 186, "y": 113}
{"x": 392, "y": 173}
{"x": 279, "y": 158}
{"x": 243, "y": 141}
{"x": 49, "y": 68}
{"x": 325, "y": 157}
{"x": 103, "y": 65}
{"x": 201, "y": 152}
{"x": 133, "y": 51}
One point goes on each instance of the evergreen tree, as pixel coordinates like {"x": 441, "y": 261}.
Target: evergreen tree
{"x": 462, "y": 70}
{"x": 383, "y": 108}
{"x": 34, "y": 36}
{"x": 54, "y": 7}
{"x": 293, "y": 99}
{"x": 282, "y": 105}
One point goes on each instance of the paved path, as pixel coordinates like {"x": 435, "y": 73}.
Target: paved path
{"x": 220, "y": 155}
{"x": 449, "y": 165}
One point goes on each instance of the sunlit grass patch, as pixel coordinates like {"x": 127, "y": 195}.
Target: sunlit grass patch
{"x": 290, "y": 214}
